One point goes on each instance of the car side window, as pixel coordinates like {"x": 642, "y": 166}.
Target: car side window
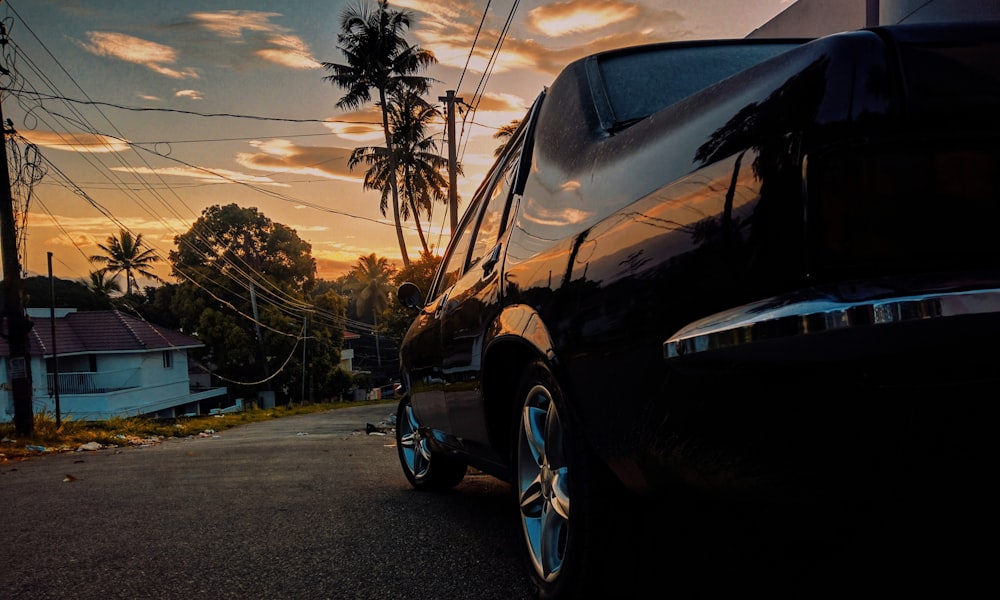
{"x": 479, "y": 230}
{"x": 454, "y": 264}
{"x": 491, "y": 224}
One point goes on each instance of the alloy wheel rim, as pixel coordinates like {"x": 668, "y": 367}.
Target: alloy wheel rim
{"x": 415, "y": 449}
{"x": 543, "y": 484}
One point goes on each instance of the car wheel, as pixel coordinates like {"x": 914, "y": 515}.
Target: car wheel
{"x": 561, "y": 503}
{"x": 425, "y": 468}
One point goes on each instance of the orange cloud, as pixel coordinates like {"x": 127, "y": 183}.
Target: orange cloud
{"x": 75, "y": 142}
{"x": 232, "y": 23}
{"x": 564, "y": 18}
{"x": 283, "y": 156}
{"x": 151, "y": 55}
{"x": 597, "y": 25}
{"x": 273, "y": 42}
{"x": 359, "y": 126}
{"x": 208, "y": 175}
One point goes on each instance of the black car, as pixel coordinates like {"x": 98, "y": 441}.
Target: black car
{"x": 764, "y": 270}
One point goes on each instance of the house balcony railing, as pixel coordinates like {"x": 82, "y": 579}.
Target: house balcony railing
{"x": 95, "y": 383}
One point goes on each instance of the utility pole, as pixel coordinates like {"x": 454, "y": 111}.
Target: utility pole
{"x": 305, "y": 337}
{"x": 55, "y": 349}
{"x": 15, "y": 323}
{"x": 262, "y": 356}
{"x": 450, "y": 101}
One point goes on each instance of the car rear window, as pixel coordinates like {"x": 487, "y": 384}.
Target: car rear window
{"x": 631, "y": 85}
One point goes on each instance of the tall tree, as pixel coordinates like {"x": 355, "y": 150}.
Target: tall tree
{"x": 379, "y": 58}
{"x": 37, "y": 293}
{"x": 244, "y": 291}
{"x": 127, "y": 254}
{"x": 418, "y": 165}
{"x": 504, "y": 133}
{"x": 103, "y": 286}
{"x": 396, "y": 320}
{"x": 370, "y": 280}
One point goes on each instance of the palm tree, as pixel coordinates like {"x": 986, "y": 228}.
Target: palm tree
{"x": 418, "y": 165}
{"x": 102, "y": 286}
{"x": 125, "y": 254}
{"x": 504, "y": 134}
{"x": 421, "y": 167}
{"x": 379, "y": 58}
{"x": 371, "y": 282}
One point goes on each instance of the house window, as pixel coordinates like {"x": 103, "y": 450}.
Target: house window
{"x": 168, "y": 359}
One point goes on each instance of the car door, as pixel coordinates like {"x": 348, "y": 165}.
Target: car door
{"x": 473, "y": 301}
{"x": 444, "y": 349}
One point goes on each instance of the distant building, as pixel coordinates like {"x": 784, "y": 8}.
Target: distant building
{"x": 816, "y": 18}
{"x": 109, "y": 365}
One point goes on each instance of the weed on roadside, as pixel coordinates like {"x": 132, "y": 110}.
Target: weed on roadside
{"x": 71, "y": 435}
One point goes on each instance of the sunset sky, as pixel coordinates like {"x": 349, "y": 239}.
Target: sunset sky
{"x": 144, "y": 113}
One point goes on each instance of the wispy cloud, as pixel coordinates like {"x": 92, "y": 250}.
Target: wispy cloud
{"x": 441, "y": 10}
{"x": 88, "y": 231}
{"x": 593, "y": 26}
{"x": 261, "y": 37}
{"x": 75, "y": 142}
{"x": 565, "y": 18}
{"x": 190, "y": 94}
{"x": 359, "y": 126}
{"x": 494, "y": 111}
{"x": 232, "y": 23}
{"x": 284, "y": 156}
{"x": 207, "y": 175}
{"x": 156, "y": 57}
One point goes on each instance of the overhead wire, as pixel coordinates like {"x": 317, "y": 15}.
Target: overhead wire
{"x": 138, "y": 200}
{"x": 487, "y": 72}
{"x": 90, "y": 129}
{"x": 472, "y": 49}
{"x": 25, "y": 91}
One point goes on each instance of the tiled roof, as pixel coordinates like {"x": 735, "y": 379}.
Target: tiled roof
{"x": 100, "y": 331}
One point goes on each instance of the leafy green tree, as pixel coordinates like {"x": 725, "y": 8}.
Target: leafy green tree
{"x": 156, "y": 305}
{"x": 245, "y": 284}
{"x": 397, "y": 318}
{"x": 379, "y": 58}
{"x": 126, "y": 253}
{"x": 37, "y": 293}
{"x": 324, "y": 377}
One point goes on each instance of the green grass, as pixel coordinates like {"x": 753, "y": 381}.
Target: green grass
{"x": 126, "y": 431}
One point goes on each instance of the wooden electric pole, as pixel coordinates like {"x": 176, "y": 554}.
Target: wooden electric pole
{"x": 15, "y": 326}
{"x": 450, "y": 101}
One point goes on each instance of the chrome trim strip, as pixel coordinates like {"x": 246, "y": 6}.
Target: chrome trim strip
{"x": 785, "y": 316}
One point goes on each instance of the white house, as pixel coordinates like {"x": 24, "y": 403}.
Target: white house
{"x": 815, "y": 18}
{"x": 109, "y": 364}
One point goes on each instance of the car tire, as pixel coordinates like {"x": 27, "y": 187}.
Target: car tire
{"x": 566, "y": 547}
{"x": 425, "y": 468}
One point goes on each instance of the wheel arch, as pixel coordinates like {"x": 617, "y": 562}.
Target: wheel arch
{"x": 517, "y": 338}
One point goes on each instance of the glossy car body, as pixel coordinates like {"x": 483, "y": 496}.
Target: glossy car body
{"x": 751, "y": 268}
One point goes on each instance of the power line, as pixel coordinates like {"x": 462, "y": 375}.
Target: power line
{"x": 97, "y": 103}
{"x": 487, "y": 72}
{"x": 472, "y": 49}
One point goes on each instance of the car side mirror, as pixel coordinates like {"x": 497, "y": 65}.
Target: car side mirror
{"x": 409, "y": 295}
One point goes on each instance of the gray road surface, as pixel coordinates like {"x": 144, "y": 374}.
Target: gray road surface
{"x": 311, "y": 507}
{"x": 299, "y": 507}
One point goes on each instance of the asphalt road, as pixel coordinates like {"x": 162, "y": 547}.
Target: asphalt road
{"x": 312, "y": 506}
{"x": 300, "y": 507}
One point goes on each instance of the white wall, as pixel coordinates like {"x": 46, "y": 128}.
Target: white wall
{"x": 815, "y": 18}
